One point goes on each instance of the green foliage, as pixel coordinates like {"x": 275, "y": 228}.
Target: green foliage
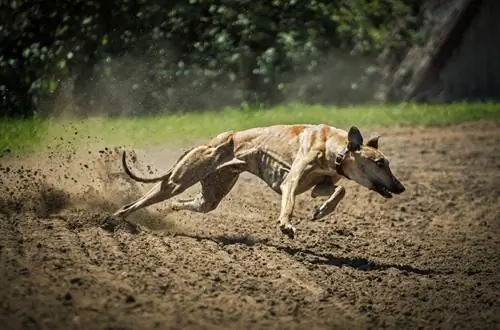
{"x": 191, "y": 47}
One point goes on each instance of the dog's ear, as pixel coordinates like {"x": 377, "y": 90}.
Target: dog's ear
{"x": 354, "y": 138}
{"x": 373, "y": 141}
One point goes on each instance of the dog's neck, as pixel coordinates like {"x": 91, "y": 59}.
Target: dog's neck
{"x": 339, "y": 160}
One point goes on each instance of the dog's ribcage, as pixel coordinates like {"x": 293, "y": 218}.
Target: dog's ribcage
{"x": 267, "y": 167}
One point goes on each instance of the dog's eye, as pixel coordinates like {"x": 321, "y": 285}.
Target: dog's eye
{"x": 380, "y": 162}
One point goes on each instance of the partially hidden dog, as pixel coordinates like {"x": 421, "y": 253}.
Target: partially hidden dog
{"x": 290, "y": 159}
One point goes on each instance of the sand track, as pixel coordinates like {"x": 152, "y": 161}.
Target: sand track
{"x": 426, "y": 259}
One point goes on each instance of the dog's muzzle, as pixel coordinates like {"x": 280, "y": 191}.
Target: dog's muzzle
{"x": 395, "y": 188}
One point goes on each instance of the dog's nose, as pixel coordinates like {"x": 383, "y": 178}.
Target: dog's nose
{"x": 398, "y": 187}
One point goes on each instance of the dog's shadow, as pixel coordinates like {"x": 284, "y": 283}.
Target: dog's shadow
{"x": 300, "y": 254}
{"x": 312, "y": 257}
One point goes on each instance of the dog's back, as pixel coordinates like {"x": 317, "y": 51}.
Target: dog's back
{"x": 278, "y": 139}
{"x": 283, "y": 140}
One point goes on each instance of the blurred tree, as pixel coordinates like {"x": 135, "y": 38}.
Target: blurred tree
{"x": 191, "y": 47}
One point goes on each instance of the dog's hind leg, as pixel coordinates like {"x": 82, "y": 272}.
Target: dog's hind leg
{"x": 214, "y": 188}
{"x": 193, "y": 167}
{"x": 160, "y": 192}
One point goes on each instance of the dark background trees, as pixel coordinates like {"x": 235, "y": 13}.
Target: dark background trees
{"x": 130, "y": 57}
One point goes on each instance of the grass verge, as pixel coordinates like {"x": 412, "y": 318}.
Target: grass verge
{"x": 26, "y": 136}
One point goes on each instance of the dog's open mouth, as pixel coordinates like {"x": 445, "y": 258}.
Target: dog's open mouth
{"x": 382, "y": 190}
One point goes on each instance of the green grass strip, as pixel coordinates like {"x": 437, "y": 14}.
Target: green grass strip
{"x": 31, "y": 135}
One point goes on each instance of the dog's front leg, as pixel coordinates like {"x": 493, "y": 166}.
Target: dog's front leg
{"x": 288, "y": 188}
{"x": 330, "y": 204}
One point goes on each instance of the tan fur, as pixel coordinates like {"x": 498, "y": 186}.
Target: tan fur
{"x": 290, "y": 159}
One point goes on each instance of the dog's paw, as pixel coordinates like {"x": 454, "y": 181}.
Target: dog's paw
{"x": 318, "y": 212}
{"x": 288, "y": 230}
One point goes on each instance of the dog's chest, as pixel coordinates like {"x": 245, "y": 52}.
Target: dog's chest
{"x": 310, "y": 178}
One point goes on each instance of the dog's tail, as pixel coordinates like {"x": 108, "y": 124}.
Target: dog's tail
{"x": 136, "y": 178}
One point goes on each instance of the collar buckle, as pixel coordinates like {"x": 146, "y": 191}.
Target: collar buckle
{"x": 339, "y": 158}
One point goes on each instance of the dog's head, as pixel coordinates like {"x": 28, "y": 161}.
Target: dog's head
{"x": 366, "y": 165}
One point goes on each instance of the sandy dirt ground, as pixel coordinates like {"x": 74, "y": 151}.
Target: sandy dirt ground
{"x": 426, "y": 259}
